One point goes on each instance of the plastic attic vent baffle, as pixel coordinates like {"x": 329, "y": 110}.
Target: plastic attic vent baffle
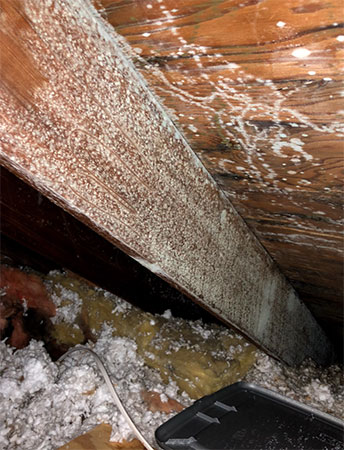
{"x": 244, "y": 416}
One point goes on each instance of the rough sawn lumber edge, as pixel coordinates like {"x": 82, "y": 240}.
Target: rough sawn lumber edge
{"x": 80, "y": 125}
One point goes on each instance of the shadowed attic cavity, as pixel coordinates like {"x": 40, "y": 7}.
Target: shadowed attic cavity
{"x": 169, "y": 212}
{"x": 128, "y": 172}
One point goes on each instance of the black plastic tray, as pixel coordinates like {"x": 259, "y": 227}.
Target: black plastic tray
{"x": 245, "y": 416}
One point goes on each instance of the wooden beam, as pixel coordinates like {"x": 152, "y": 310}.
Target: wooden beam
{"x": 37, "y": 233}
{"x": 79, "y": 124}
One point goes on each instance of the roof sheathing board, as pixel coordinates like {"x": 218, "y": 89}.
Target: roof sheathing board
{"x": 92, "y": 137}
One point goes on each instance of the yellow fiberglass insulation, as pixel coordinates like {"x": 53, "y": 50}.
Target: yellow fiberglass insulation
{"x": 200, "y": 358}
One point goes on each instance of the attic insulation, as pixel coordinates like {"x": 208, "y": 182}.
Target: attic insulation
{"x": 159, "y": 364}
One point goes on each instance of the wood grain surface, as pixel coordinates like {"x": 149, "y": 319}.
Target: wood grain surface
{"x": 32, "y": 227}
{"x": 87, "y": 132}
{"x": 257, "y": 88}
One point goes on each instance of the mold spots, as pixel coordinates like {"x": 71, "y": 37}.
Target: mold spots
{"x": 295, "y": 144}
{"x": 192, "y": 128}
{"x": 301, "y": 53}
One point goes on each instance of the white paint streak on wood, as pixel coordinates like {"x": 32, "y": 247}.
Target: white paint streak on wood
{"x": 98, "y": 143}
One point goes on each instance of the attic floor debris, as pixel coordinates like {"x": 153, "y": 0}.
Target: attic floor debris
{"x": 157, "y": 362}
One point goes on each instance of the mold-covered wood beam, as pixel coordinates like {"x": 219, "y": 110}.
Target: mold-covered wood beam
{"x": 256, "y": 86}
{"x": 37, "y": 233}
{"x": 79, "y": 124}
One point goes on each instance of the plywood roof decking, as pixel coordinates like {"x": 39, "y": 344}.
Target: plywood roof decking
{"x": 257, "y": 88}
{"x": 90, "y": 135}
